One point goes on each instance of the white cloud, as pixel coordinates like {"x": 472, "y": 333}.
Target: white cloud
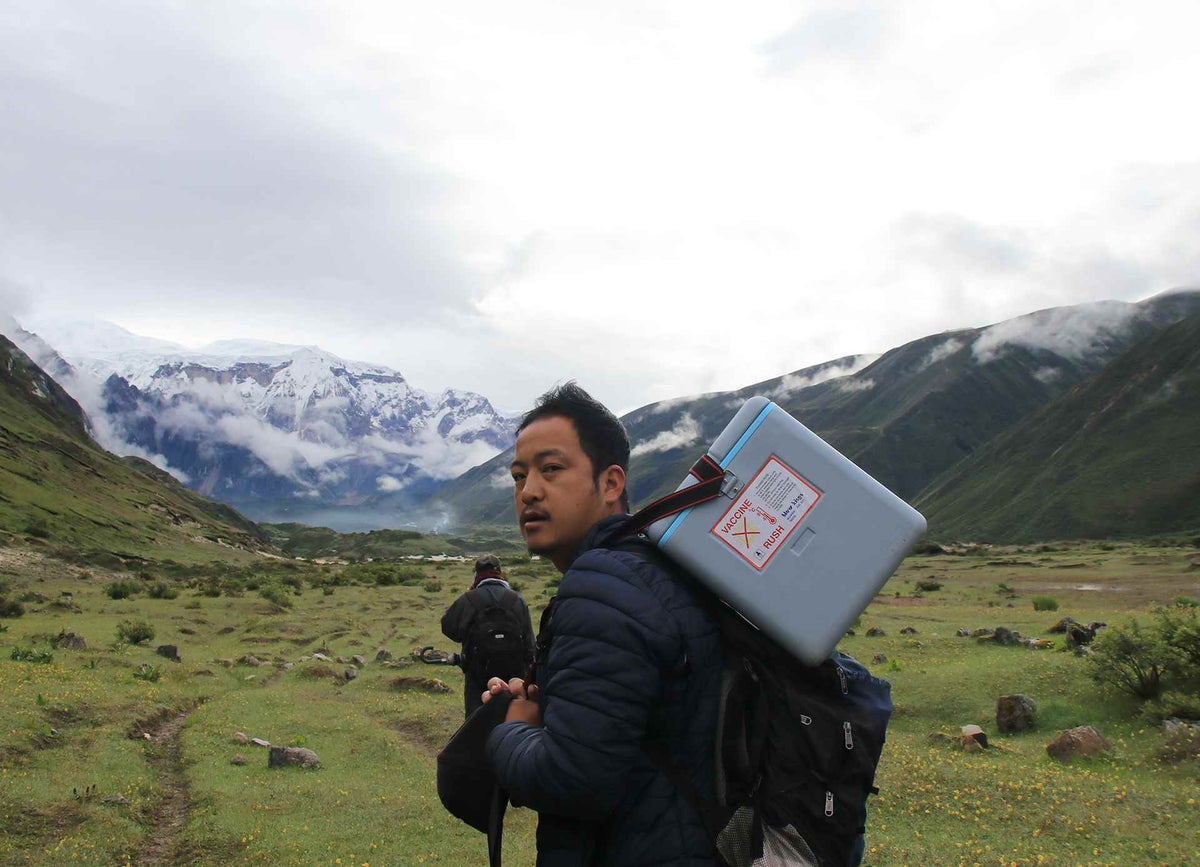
{"x": 388, "y": 484}
{"x": 685, "y": 432}
{"x": 853, "y": 385}
{"x": 793, "y": 382}
{"x": 942, "y": 351}
{"x": 1070, "y": 332}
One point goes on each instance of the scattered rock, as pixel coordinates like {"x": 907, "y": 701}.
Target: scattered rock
{"x": 1062, "y": 625}
{"x": 322, "y": 657}
{"x": 971, "y": 745}
{"x": 425, "y": 684}
{"x": 202, "y": 672}
{"x": 1015, "y": 713}
{"x": 1006, "y": 636}
{"x": 119, "y": 800}
{"x": 228, "y": 663}
{"x": 259, "y": 742}
{"x": 1079, "y": 635}
{"x": 350, "y": 673}
{"x": 908, "y": 630}
{"x": 875, "y": 631}
{"x": 241, "y": 738}
{"x": 250, "y": 659}
{"x": 282, "y": 756}
{"x": 975, "y": 735}
{"x": 69, "y": 641}
{"x": 359, "y": 660}
{"x": 383, "y": 656}
{"x": 1080, "y": 742}
{"x": 963, "y": 632}
{"x": 1181, "y": 741}
{"x": 982, "y": 632}
{"x": 185, "y": 631}
{"x": 341, "y": 660}
{"x": 879, "y": 659}
{"x": 851, "y": 633}
{"x": 239, "y": 760}
{"x": 1037, "y": 643}
{"x": 169, "y": 651}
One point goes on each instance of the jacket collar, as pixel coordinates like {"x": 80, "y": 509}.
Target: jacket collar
{"x": 598, "y": 535}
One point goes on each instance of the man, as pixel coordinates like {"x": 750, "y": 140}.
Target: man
{"x": 633, "y": 660}
{"x": 492, "y": 622}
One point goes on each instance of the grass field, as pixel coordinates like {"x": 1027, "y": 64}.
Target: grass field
{"x": 113, "y": 754}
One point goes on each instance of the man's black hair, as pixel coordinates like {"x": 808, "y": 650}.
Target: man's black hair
{"x": 601, "y": 434}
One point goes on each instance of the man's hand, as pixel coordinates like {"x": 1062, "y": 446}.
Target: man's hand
{"x": 523, "y": 707}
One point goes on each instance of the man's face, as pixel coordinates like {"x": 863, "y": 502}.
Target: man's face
{"x": 557, "y": 498}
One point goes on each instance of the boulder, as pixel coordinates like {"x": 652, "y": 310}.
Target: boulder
{"x": 359, "y": 660}
{"x": 350, "y": 673}
{"x": 169, "y": 651}
{"x": 322, "y": 657}
{"x": 280, "y": 757}
{"x": 383, "y": 656}
{"x": 973, "y": 734}
{"x": 908, "y": 630}
{"x": 1014, "y": 713}
{"x": 1006, "y": 636}
{"x": 241, "y": 738}
{"x": 875, "y": 631}
{"x": 250, "y": 659}
{"x": 1062, "y": 625}
{"x": 879, "y": 659}
{"x": 1079, "y": 635}
{"x": 239, "y": 760}
{"x": 1079, "y": 742}
{"x": 963, "y": 632}
{"x": 69, "y": 641}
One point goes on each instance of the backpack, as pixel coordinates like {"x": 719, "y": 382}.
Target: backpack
{"x": 797, "y": 745}
{"x": 495, "y": 645}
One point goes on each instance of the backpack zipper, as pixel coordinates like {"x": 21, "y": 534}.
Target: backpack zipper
{"x": 842, "y": 677}
{"x": 849, "y": 736}
{"x": 828, "y": 803}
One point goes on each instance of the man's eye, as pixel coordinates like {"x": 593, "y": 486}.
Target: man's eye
{"x": 518, "y": 478}
{"x": 551, "y": 468}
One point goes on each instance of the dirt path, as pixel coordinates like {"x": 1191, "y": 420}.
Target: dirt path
{"x": 170, "y": 815}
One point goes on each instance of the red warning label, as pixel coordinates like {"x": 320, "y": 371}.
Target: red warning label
{"x": 765, "y": 512}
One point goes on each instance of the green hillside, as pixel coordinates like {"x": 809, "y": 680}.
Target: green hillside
{"x": 59, "y": 489}
{"x": 1116, "y": 457}
{"x": 907, "y": 418}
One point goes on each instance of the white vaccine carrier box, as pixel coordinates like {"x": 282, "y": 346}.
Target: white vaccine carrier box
{"x": 800, "y": 540}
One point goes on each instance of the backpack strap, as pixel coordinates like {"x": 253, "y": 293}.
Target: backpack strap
{"x": 709, "y": 478}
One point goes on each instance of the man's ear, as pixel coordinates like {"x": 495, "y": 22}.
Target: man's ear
{"x": 612, "y": 484}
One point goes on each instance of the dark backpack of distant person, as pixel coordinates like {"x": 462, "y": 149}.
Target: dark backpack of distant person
{"x": 495, "y": 645}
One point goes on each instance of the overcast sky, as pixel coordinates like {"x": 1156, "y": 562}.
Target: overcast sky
{"x": 658, "y": 199}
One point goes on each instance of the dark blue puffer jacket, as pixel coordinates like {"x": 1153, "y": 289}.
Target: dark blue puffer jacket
{"x": 633, "y": 657}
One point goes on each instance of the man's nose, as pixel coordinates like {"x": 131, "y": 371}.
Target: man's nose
{"x": 531, "y": 491}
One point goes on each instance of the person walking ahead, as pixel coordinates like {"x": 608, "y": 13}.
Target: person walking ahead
{"x": 492, "y": 623}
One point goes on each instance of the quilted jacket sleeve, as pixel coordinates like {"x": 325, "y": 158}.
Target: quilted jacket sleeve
{"x": 613, "y": 642}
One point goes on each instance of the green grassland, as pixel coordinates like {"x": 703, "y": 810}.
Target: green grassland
{"x": 79, "y": 720}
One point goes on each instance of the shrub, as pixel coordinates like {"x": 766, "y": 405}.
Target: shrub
{"x": 38, "y": 528}
{"x": 135, "y": 631}
{"x": 432, "y": 586}
{"x": 518, "y": 586}
{"x": 1130, "y": 659}
{"x": 1045, "y": 603}
{"x": 276, "y": 595}
{"x": 1187, "y": 602}
{"x": 149, "y": 672}
{"x": 162, "y": 590}
{"x": 10, "y": 607}
{"x": 28, "y": 654}
{"x": 121, "y": 590}
{"x": 929, "y": 585}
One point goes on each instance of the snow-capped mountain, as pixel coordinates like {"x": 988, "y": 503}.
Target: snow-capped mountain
{"x": 277, "y": 430}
